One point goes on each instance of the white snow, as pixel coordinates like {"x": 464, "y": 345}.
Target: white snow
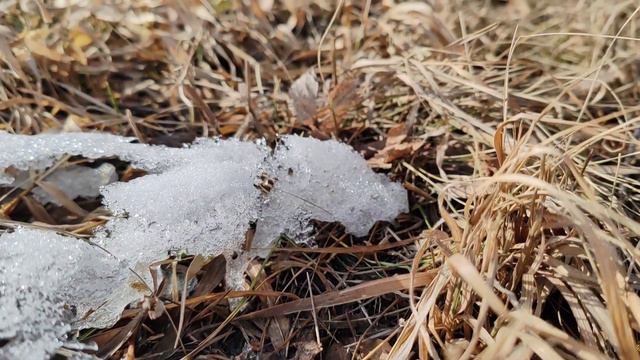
{"x": 327, "y": 181}
{"x": 203, "y": 206}
{"x": 41, "y": 151}
{"x": 47, "y": 282}
{"x": 200, "y": 199}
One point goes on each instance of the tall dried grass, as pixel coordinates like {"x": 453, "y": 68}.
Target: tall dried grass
{"x": 514, "y": 125}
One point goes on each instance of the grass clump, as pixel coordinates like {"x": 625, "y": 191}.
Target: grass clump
{"x": 513, "y": 126}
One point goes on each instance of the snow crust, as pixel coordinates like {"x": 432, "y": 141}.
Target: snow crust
{"x": 200, "y": 199}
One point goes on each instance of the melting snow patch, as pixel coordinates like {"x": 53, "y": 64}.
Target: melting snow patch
{"x": 41, "y": 151}
{"x": 200, "y": 199}
{"x": 47, "y": 283}
{"x": 326, "y": 181}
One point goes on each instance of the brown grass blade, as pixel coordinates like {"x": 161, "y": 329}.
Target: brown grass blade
{"x": 359, "y": 292}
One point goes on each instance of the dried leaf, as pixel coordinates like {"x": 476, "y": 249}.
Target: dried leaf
{"x": 112, "y": 340}
{"x": 61, "y": 198}
{"x": 214, "y": 272}
{"x": 35, "y": 41}
{"x": 38, "y": 211}
{"x": 196, "y": 264}
{"x": 108, "y": 13}
{"x": 307, "y": 350}
{"x": 7, "y": 56}
{"x": 304, "y": 96}
{"x": 395, "y": 148}
{"x": 278, "y": 328}
{"x": 338, "y": 351}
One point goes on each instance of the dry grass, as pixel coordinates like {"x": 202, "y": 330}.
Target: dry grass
{"x": 514, "y": 125}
